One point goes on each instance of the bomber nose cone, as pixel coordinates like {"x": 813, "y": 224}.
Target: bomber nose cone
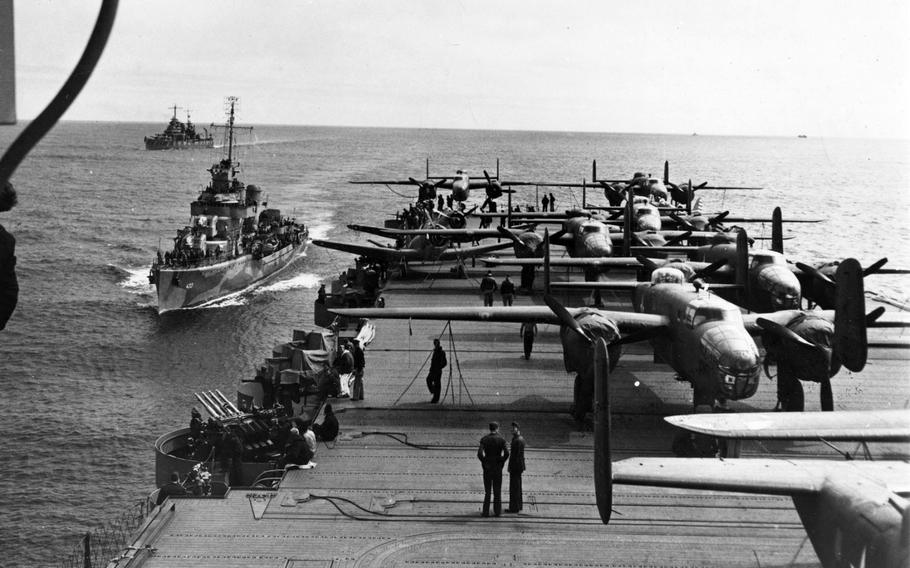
{"x": 659, "y": 191}
{"x": 648, "y": 223}
{"x": 740, "y": 371}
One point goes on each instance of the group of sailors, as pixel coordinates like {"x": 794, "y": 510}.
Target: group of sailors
{"x": 187, "y": 256}
{"x": 268, "y": 240}
{"x": 213, "y": 442}
{"x": 298, "y": 439}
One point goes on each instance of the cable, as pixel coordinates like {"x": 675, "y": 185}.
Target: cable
{"x": 393, "y": 435}
{"x": 37, "y": 128}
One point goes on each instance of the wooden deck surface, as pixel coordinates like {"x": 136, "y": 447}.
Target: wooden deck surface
{"x": 402, "y": 485}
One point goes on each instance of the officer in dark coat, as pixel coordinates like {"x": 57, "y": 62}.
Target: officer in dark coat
{"x": 492, "y": 454}
{"x": 516, "y": 468}
{"x": 437, "y": 364}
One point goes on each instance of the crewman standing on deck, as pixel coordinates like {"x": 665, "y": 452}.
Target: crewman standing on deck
{"x": 516, "y": 468}
{"x": 507, "y": 290}
{"x": 359, "y": 364}
{"x": 487, "y": 287}
{"x": 492, "y": 454}
{"x": 437, "y": 364}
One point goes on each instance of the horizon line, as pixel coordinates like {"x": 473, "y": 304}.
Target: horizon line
{"x": 801, "y": 135}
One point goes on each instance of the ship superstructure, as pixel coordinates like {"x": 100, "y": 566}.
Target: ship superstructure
{"x": 179, "y": 136}
{"x": 231, "y": 243}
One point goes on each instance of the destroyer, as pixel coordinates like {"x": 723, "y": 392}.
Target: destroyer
{"x": 229, "y": 245}
{"x": 179, "y": 136}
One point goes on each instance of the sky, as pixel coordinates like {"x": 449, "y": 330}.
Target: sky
{"x": 729, "y": 67}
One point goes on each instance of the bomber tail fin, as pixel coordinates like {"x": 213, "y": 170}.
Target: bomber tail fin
{"x": 850, "y": 343}
{"x": 690, "y": 192}
{"x": 627, "y": 225}
{"x": 603, "y": 465}
{"x": 777, "y": 231}
{"x": 741, "y": 263}
{"x": 546, "y": 261}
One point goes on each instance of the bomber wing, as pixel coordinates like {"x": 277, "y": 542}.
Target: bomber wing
{"x": 484, "y": 183}
{"x": 782, "y": 317}
{"x": 383, "y": 182}
{"x": 387, "y": 254}
{"x": 409, "y": 254}
{"x": 592, "y": 262}
{"x": 460, "y": 234}
{"x": 607, "y": 262}
{"x": 740, "y": 219}
{"x": 626, "y": 321}
{"x": 560, "y": 215}
{"x": 630, "y": 285}
{"x": 667, "y": 234}
{"x": 453, "y": 253}
{"x": 878, "y": 480}
{"x": 859, "y": 425}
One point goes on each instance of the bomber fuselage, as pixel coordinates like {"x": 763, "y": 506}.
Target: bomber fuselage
{"x": 706, "y": 341}
{"x": 590, "y": 238}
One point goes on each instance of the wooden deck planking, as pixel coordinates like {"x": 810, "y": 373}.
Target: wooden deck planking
{"x": 436, "y": 487}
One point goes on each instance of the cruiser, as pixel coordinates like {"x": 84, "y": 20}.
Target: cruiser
{"x": 179, "y": 136}
{"x": 231, "y": 243}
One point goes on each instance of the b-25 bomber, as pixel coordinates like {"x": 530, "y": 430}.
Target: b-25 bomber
{"x": 460, "y": 184}
{"x": 855, "y": 512}
{"x": 705, "y": 339}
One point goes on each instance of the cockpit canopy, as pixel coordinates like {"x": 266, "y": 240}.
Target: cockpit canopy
{"x": 667, "y": 275}
{"x": 701, "y": 311}
{"x": 645, "y": 210}
{"x": 768, "y": 257}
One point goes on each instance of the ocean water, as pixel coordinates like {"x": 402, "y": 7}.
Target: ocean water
{"x": 92, "y": 375}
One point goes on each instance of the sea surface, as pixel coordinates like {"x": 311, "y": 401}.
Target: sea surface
{"x": 91, "y": 375}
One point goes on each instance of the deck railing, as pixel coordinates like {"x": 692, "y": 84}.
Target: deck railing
{"x": 97, "y": 548}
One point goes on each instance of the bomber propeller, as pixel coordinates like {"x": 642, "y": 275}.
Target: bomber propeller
{"x": 685, "y": 193}
{"x": 819, "y": 287}
{"x": 808, "y": 347}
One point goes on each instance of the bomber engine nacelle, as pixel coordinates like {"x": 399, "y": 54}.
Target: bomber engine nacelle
{"x": 849, "y": 528}
{"x": 494, "y": 188}
{"x": 810, "y": 348}
{"x": 578, "y": 335}
{"x": 531, "y": 245}
{"x": 813, "y": 361}
{"x": 457, "y": 220}
{"x": 577, "y": 349}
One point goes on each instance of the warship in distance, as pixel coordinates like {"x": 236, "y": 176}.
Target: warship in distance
{"x": 232, "y": 242}
{"x": 179, "y": 136}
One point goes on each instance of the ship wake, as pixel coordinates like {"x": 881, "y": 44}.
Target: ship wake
{"x": 136, "y": 280}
